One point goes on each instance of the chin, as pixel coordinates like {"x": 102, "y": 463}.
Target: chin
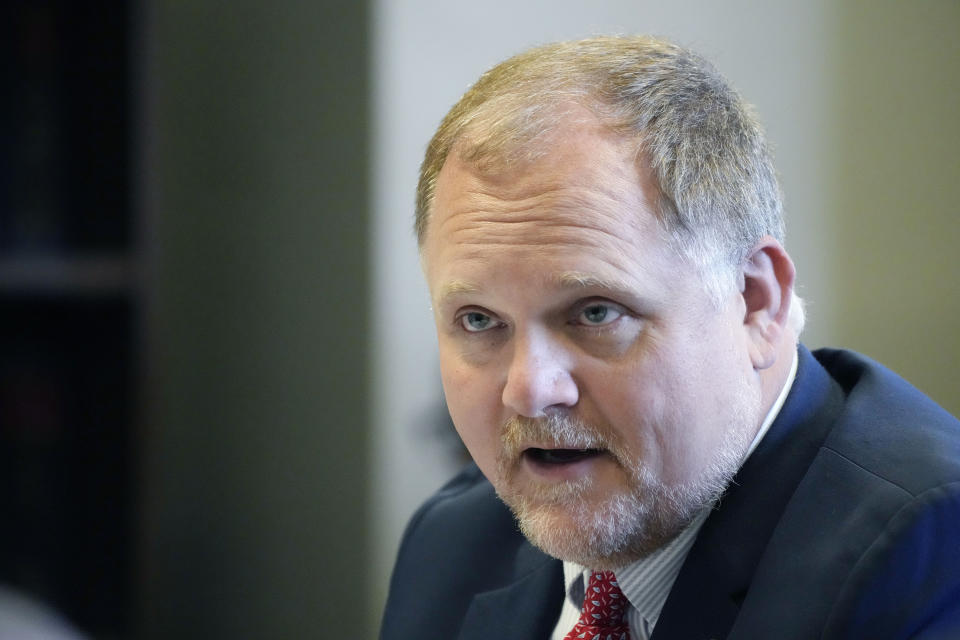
{"x": 601, "y": 536}
{"x": 569, "y": 522}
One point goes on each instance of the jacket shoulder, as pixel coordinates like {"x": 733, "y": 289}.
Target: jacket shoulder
{"x": 868, "y": 540}
{"x": 461, "y": 542}
{"x": 889, "y": 428}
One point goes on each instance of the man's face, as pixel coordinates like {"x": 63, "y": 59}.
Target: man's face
{"x": 593, "y": 380}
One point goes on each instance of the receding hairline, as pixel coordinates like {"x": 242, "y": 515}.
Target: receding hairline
{"x": 569, "y": 118}
{"x": 543, "y": 81}
{"x": 566, "y": 116}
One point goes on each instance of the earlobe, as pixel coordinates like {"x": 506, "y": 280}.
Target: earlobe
{"x": 767, "y": 288}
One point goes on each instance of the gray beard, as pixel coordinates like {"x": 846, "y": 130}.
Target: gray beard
{"x": 627, "y": 525}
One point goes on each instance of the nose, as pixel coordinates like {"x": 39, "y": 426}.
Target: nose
{"x": 539, "y": 377}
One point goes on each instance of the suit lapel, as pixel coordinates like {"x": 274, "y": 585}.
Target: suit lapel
{"x": 526, "y": 609}
{"x": 706, "y": 597}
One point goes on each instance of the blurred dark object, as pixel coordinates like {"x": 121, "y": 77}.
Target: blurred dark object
{"x": 23, "y": 618}
{"x": 65, "y": 407}
{"x": 68, "y": 309}
{"x": 64, "y": 127}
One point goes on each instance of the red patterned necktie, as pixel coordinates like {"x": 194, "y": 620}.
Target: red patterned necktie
{"x": 604, "y": 614}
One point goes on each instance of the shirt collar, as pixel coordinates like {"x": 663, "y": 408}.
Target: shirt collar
{"x": 775, "y": 409}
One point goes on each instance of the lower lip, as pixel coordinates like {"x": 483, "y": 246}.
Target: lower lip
{"x": 564, "y": 471}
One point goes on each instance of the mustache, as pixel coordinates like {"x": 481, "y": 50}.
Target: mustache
{"x": 560, "y": 431}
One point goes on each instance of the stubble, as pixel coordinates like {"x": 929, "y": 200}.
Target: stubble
{"x": 624, "y": 525}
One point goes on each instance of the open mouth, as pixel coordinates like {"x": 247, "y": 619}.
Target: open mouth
{"x": 560, "y": 456}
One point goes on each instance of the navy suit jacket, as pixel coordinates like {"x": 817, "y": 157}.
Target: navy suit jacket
{"x": 843, "y": 524}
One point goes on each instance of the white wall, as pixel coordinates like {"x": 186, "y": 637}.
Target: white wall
{"x": 427, "y": 53}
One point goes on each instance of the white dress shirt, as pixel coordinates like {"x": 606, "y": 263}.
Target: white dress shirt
{"x": 647, "y": 582}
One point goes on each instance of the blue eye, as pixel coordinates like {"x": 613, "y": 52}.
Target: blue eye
{"x": 598, "y": 314}
{"x": 476, "y": 321}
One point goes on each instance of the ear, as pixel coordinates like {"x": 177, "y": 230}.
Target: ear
{"x": 767, "y": 287}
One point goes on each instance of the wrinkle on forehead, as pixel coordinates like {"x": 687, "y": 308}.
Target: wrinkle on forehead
{"x": 496, "y": 234}
{"x": 599, "y": 215}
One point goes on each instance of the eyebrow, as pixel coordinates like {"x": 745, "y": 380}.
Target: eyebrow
{"x": 455, "y": 288}
{"x": 579, "y": 280}
{"x": 566, "y": 280}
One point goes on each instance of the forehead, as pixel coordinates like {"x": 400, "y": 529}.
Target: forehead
{"x": 577, "y": 157}
{"x": 585, "y": 197}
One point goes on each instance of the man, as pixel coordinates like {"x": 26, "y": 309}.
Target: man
{"x": 656, "y": 456}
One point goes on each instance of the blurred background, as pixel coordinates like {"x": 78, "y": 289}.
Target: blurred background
{"x": 219, "y": 402}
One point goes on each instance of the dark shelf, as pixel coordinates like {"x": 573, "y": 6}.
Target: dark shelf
{"x": 69, "y": 290}
{"x": 64, "y": 126}
{"x": 66, "y": 400}
{"x": 105, "y": 274}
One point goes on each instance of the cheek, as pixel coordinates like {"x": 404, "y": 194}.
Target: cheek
{"x": 707, "y": 404}
{"x": 473, "y": 402}
{"x": 646, "y": 417}
{"x": 661, "y": 414}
